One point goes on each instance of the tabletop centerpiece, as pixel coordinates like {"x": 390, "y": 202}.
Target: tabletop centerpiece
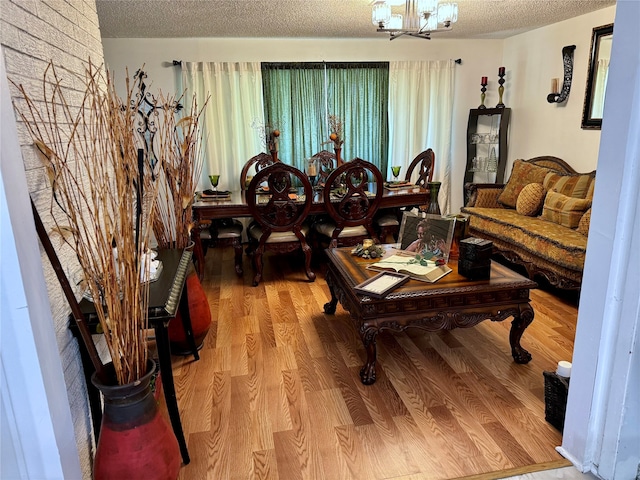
{"x": 336, "y": 136}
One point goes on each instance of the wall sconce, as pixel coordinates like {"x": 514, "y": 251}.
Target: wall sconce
{"x": 567, "y": 61}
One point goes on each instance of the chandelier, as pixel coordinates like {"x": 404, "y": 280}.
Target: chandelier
{"x": 421, "y": 17}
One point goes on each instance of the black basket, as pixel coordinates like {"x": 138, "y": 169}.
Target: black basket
{"x": 556, "y": 389}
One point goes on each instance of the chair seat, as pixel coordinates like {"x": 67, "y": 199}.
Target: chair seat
{"x": 327, "y": 228}
{"x": 388, "y": 220}
{"x": 229, "y": 231}
{"x": 255, "y": 231}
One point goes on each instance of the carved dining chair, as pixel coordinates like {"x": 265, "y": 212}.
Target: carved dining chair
{"x": 388, "y": 221}
{"x": 351, "y": 204}
{"x": 425, "y": 161}
{"x": 228, "y": 231}
{"x": 257, "y": 163}
{"x": 279, "y": 215}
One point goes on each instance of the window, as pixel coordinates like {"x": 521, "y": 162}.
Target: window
{"x": 299, "y": 97}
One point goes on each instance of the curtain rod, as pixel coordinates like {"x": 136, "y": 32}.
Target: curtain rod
{"x": 178, "y": 63}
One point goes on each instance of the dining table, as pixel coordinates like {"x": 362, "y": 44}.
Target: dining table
{"x": 234, "y": 205}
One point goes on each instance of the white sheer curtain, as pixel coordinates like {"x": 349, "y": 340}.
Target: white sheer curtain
{"x": 421, "y": 117}
{"x": 235, "y": 105}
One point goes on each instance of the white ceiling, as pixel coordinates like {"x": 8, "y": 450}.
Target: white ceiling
{"x": 318, "y": 18}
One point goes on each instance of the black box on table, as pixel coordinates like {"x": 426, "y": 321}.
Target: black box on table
{"x": 476, "y": 250}
{"x": 473, "y": 270}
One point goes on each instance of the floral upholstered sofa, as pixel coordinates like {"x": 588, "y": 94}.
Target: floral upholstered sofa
{"x": 539, "y": 219}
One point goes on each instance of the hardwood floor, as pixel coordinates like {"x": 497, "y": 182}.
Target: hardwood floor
{"x": 276, "y": 393}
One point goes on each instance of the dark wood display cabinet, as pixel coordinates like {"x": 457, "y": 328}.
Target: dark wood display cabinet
{"x": 487, "y": 138}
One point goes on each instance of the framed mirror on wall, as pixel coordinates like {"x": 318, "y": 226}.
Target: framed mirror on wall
{"x": 600, "y": 53}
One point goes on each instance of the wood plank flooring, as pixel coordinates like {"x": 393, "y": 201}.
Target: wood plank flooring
{"x": 276, "y": 393}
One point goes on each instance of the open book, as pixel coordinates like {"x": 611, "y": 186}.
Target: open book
{"x": 404, "y": 263}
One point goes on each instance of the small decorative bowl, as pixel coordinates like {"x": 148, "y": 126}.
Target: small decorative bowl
{"x": 368, "y": 249}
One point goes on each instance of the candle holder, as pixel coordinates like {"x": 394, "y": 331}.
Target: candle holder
{"x": 483, "y": 83}
{"x": 567, "y": 62}
{"x": 312, "y": 170}
{"x": 501, "y": 87}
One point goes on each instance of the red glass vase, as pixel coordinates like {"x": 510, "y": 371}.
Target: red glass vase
{"x": 199, "y": 313}
{"x": 135, "y": 441}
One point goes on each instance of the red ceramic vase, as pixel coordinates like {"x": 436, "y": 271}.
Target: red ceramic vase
{"x": 135, "y": 441}
{"x": 199, "y": 313}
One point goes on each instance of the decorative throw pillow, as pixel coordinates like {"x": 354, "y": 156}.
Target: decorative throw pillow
{"x": 563, "y": 210}
{"x": 583, "y": 224}
{"x": 522, "y": 174}
{"x": 576, "y": 186}
{"x": 530, "y": 199}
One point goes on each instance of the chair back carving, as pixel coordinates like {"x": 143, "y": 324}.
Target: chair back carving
{"x": 279, "y": 215}
{"x": 277, "y": 211}
{"x": 426, "y": 161}
{"x": 259, "y": 162}
{"x": 326, "y": 163}
{"x": 348, "y": 199}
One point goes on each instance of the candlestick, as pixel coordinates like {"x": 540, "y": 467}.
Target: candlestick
{"x": 501, "y": 87}
{"x": 483, "y": 83}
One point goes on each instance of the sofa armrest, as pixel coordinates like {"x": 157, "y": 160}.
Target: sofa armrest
{"x": 483, "y": 194}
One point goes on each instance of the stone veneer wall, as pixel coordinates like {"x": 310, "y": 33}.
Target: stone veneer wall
{"x": 33, "y": 32}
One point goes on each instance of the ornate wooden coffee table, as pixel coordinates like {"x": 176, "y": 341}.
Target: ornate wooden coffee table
{"x": 453, "y": 301}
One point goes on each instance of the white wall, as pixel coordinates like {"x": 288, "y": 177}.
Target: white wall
{"x": 542, "y": 128}
{"x": 479, "y": 58}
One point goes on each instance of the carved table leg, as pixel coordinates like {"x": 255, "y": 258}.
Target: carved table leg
{"x": 330, "y": 307}
{"x": 237, "y": 248}
{"x": 518, "y": 326}
{"x": 368, "y": 370}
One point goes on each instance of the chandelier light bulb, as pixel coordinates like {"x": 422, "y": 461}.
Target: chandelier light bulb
{"x": 429, "y": 23}
{"x": 426, "y": 7}
{"x": 380, "y": 13}
{"x": 395, "y": 23}
{"x": 447, "y": 13}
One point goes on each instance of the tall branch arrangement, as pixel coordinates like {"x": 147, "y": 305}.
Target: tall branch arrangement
{"x": 179, "y": 146}
{"x": 91, "y": 159}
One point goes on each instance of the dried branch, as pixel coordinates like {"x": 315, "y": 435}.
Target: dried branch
{"x": 178, "y": 143}
{"x": 91, "y": 159}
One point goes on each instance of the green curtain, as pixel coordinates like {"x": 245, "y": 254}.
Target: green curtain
{"x": 299, "y": 97}
{"x": 294, "y": 104}
{"x": 358, "y": 94}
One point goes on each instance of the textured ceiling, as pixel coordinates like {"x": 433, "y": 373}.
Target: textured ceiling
{"x": 318, "y": 18}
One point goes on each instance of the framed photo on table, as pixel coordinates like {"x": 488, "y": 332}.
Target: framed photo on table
{"x": 428, "y": 235}
{"x": 380, "y": 285}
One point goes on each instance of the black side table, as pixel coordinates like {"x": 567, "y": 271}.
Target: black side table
{"x": 166, "y": 295}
